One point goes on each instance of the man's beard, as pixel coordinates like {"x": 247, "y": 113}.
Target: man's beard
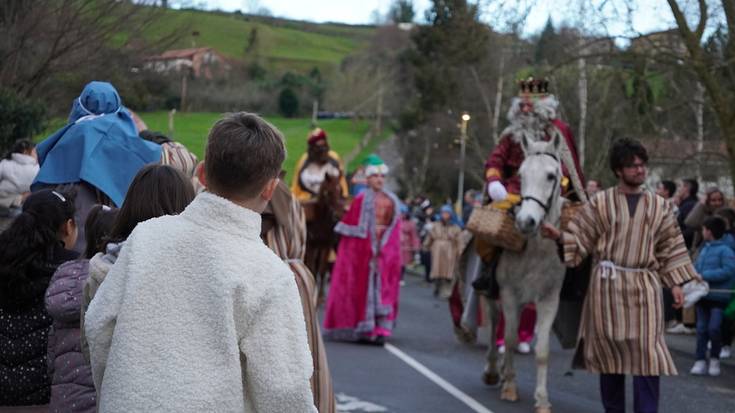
{"x": 319, "y": 155}
{"x": 633, "y": 182}
{"x": 530, "y": 126}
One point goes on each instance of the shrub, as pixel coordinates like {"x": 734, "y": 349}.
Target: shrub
{"x": 20, "y": 118}
{"x": 288, "y": 103}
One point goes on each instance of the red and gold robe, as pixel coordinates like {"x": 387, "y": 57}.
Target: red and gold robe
{"x": 507, "y": 156}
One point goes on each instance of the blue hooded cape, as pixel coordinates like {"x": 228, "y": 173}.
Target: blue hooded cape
{"x": 99, "y": 145}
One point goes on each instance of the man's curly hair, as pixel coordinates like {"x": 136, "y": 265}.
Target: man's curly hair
{"x": 623, "y": 153}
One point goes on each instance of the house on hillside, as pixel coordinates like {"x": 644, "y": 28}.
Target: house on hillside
{"x": 201, "y": 62}
{"x": 679, "y": 159}
{"x": 666, "y": 42}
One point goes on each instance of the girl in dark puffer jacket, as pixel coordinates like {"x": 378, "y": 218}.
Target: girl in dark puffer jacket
{"x": 31, "y": 249}
{"x": 72, "y": 389}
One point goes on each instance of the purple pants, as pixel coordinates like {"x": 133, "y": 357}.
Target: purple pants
{"x": 645, "y": 393}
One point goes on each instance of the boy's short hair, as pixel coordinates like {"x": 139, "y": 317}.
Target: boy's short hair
{"x": 716, "y": 225}
{"x": 243, "y": 153}
{"x": 728, "y": 214}
{"x": 670, "y": 187}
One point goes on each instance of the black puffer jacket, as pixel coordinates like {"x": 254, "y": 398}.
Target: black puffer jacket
{"x": 24, "y": 378}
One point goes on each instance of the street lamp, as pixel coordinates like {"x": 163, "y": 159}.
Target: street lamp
{"x": 462, "y": 140}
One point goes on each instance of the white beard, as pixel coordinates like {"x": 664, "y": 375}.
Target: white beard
{"x": 531, "y": 126}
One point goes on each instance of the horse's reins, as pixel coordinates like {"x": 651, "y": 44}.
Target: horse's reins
{"x": 546, "y": 206}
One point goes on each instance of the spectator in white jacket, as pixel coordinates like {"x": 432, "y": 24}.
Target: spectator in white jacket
{"x": 197, "y": 314}
{"x": 17, "y": 172}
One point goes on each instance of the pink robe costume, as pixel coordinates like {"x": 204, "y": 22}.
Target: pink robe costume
{"x": 363, "y": 295}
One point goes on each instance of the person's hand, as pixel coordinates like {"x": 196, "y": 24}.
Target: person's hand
{"x": 549, "y": 231}
{"x": 678, "y": 294}
{"x": 497, "y": 191}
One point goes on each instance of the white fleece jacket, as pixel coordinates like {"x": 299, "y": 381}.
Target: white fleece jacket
{"x": 16, "y": 176}
{"x": 198, "y": 315}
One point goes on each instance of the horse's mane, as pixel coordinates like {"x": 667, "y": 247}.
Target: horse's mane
{"x": 535, "y": 148}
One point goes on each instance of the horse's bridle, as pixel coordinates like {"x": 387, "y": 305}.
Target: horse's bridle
{"x": 547, "y": 205}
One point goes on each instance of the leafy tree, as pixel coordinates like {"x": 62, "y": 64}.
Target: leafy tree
{"x": 443, "y": 51}
{"x": 545, "y": 44}
{"x": 401, "y": 11}
{"x": 288, "y": 103}
{"x": 252, "y": 45}
{"x": 19, "y": 118}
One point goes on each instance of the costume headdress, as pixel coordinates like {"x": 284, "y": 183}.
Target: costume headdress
{"x": 317, "y": 135}
{"x": 533, "y": 88}
{"x": 374, "y": 165}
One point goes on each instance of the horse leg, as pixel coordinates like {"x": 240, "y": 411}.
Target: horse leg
{"x": 322, "y": 259}
{"x": 545, "y": 314}
{"x": 511, "y": 312}
{"x": 490, "y": 375}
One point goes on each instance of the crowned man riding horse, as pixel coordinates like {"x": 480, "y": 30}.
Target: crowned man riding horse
{"x": 533, "y": 165}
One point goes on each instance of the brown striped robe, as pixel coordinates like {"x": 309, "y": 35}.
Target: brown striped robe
{"x": 444, "y": 243}
{"x": 622, "y": 321}
{"x": 288, "y": 240}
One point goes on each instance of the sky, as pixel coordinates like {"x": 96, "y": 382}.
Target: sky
{"x": 648, "y": 16}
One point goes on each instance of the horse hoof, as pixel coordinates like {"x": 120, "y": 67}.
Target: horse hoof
{"x": 543, "y": 410}
{"x": 491, "y": 379}
{"x": 464, "y": 335}
{"x": 509, "y": 394}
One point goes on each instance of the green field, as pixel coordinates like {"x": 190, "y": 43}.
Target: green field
{"x": 191, "y": 129}
{"x": 282, "y": 44}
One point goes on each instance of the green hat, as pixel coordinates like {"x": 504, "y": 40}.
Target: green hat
{"x": 374, "y": 165}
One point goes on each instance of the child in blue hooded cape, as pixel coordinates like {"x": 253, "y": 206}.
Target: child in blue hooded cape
{"x": 98, "y": 151}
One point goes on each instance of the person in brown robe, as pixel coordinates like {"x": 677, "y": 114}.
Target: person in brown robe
{"x": 636, "y": 247}
{"x": 444, "y": 243}
{"x": 284, "y": 231}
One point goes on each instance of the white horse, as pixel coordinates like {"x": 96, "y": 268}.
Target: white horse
{"x": 534, "y": 275}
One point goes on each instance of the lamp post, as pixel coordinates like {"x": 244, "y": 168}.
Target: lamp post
{"x": 462, "y": 145}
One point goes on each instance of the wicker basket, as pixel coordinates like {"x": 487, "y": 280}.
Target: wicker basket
{"x": 496, "y": 227}
{"x": 568, "y": 211}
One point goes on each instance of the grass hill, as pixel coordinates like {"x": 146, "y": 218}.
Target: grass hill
{"x": 281, "y": 44}
{"x": 191, "y": 129}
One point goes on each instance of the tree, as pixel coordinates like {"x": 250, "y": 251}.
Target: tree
{"x": 252, "y": 46}
{"x": 454, "y": 40}
{"x": 46, "y": 38}
{"x": 714, "y": 66}
{"x": 545, "y": 43}
{"x": 401, "y": 11}
{"x": 448, "y": 60}
{"x": 288, "y": 103}
{"x": 19, "y": 118}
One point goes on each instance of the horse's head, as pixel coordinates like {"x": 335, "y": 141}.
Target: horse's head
{"x": 541, "y": 175}
{"x": 330, "y": 190}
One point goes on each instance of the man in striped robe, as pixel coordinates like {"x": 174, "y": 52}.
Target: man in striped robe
{"x": 284, "y": 231}
{"x": 637, "y": 248}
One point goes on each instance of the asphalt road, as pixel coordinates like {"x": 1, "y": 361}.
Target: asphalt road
{"x": 402, "y": 377}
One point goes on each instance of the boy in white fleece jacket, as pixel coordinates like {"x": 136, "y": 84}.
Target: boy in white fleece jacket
{"x": 197, "y": 314}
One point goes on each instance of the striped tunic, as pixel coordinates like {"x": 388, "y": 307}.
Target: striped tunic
{"x": 288, "y": 241}
{"x": 634, "y": 255}
{"x": 176, "y": 155}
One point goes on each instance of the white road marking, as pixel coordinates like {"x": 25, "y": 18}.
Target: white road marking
{"x": 457, "y": 393}
{"x": 347, "y": 403}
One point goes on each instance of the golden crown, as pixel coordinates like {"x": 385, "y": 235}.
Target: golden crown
{"x": 533, "y": 87}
